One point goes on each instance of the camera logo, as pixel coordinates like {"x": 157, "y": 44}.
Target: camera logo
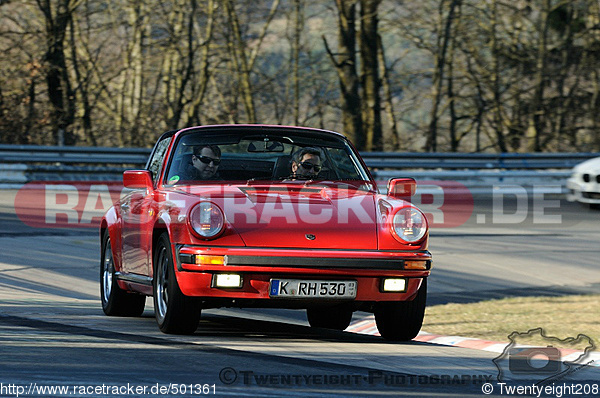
{"x": 521, "y": 360}
{"x": 536, "y": 360}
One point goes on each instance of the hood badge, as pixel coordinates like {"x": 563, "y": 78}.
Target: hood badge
{"x": 310, "y": 236}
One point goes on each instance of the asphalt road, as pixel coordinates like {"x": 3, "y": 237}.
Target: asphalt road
{"x": 53, "y": 331}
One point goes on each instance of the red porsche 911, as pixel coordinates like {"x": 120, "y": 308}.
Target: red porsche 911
{"x": 264, "y": 216}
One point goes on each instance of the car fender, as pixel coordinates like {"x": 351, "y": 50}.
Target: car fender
{"x": 112, "y": 223}
{"x": 386, "y": 207}
{"x": 162, "y": 223}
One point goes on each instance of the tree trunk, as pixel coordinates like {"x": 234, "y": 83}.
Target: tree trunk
{"x": 438, "y": 75}
{"x": 394, "y": 140}
{"x": 298, "y": 24}
{"x": 454, "y": 141}
{"x": 202, "y": 84}
{"x": 30, "y": 106}
{"x": 60, "y": 91}
{"x": 497, "y": 106}
{"x": 240, "y": 61}
{"x": 540, "y": 80}
{"x": 371, "y": 84}
{"x": 132, "y": 78}
{"x": 345, "y": 64}
{"x": 179, "y": 62}
{"x": 82, "y": 88}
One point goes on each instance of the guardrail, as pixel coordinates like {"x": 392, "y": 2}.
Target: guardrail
{"x": 33, "y": 154}
{"x": 507, "y": 161}
{"x": 23, "y": 163}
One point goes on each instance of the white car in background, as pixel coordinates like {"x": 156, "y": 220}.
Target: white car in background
{"x": 584, "y": 184}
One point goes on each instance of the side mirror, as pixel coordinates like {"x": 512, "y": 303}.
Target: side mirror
{"x": 401, "y": 188}
{"x": 137, "y": 179}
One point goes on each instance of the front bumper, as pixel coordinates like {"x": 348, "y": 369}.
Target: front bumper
{"x": 259, "y": 265}
{"x": 583, "y": 192}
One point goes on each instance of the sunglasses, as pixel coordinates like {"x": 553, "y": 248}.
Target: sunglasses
{"x": 207, "y": 160}
{"x": 308, "y": 166}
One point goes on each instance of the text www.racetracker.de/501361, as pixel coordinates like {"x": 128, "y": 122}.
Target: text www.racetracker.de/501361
{"x": 33, "y": 389}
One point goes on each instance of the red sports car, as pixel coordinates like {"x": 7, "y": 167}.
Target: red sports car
{"x": 264, "y": 216}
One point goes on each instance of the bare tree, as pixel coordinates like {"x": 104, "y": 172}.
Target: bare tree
{"x": 440, "y": 64}
{"x": 130, "y": 98}
{"x": 57, "y": 15}
{"x": 242, "y": 61}
{"x": 345, "y": 64}
{"x": 370, "y": 80}
{"x": 201, "y": 86}
{"x": 393, "y": 139}
{"x": 516, "y": 75}
{"x": 298, "y": 25}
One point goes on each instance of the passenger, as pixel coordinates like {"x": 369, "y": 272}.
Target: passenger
{"x": 306, "y": 163}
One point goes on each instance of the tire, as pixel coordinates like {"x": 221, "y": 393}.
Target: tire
{"x": 402, "y": 320}
{"x": 175, "y": 313}
{"x": 116, "y": 301}
{"x": 336, "y": 318}
{"x": 595, "y": 206}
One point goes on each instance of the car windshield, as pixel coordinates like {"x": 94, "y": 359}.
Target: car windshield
{"x": 244, "y": 155}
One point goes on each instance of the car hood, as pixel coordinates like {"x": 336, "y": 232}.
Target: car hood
{"x": 589, "y": 166}
{"x": 296, "y": 215}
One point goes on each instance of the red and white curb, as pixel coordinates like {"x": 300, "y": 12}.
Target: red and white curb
{"x": 367, "y": 326}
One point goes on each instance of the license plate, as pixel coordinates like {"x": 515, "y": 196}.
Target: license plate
{"x": 297, "y": 288}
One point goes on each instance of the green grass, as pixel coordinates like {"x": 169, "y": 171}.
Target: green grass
{"x": 560, "y": 317}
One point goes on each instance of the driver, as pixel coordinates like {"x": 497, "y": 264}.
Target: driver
{"x": 306, "y": 163}
{"x": 205, "y": 163}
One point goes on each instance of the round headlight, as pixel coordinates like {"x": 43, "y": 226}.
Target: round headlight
{"x": 206, "y": 220}
{"x": 409, "y": 225}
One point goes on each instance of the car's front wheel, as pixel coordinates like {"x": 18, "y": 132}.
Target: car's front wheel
{"x": 337, "y": 318}
{"x": 116, "y": 301}
{"x": 175, "y": 313}
{"x": 402, "y": 320}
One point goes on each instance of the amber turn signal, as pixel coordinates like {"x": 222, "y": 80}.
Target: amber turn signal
{"x": 202, "y": 259}
{"x": 415, "y": 264}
